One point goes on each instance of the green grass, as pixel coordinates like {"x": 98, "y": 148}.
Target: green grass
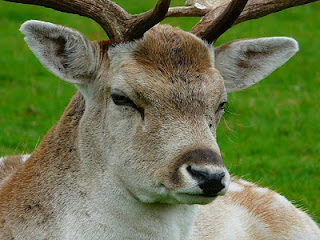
{"x": 271, "y": 135}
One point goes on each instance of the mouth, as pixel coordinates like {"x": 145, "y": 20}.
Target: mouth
{"x": 195, "y": 196}
{"x": 209, "y": 195}
{"x": 189, "y": 198}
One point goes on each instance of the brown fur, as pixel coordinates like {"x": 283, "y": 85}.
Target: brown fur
{"x": 267, "y": 215}
{"x": 265, "y": 207}
{"x": 104, "y": 46}
{"x": 178, "y": 66}
{"x": 43, "y": 174}
{"x": 173, "y": 53}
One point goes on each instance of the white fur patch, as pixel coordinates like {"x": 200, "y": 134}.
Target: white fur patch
{"x": 1, "y": 161}
{"x": 261, "y": 190}
{"x": 25, "y": 157}
{"x": 235, "y": 187}
{"x": 281, "y": 200}
{"x": 245, "y": 183}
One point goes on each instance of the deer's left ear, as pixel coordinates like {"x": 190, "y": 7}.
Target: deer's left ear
{"x": 243, "y": 63}
{"x": 63, "y": 51}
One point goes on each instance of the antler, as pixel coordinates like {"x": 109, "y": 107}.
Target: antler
{"x": 213, "y": 26}
{"x": 211, "y": 10}
{"x": 254, "y": 8}
{"x": 218, "y": 15}
{"x": 117, "y": 23}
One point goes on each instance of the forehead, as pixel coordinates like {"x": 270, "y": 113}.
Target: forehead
{"x": 172, "y": 52}
{"x": 170, "y": 64}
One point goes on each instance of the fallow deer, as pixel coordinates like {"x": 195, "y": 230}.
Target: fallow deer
{"x": 135, "y": 151}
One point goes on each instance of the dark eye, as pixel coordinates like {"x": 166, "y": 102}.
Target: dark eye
{"x": 221, "y": 106}
{"x": 122, "y": 100}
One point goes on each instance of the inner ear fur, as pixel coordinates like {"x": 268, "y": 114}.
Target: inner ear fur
{"x": 243, "y": 63}
{"x": 63, "y": 51}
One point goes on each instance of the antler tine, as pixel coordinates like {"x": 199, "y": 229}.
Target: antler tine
{"x": 117, "y": 23}
{"x": 210, "y": 30}
{"x": 144, "y": 21}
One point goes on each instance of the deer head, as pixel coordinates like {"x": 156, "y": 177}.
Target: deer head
{"x": 154, "y": 95}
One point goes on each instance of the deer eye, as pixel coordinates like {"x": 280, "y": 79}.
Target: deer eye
{"x": 122, "y": 100}
{"x": 221, "y": 106}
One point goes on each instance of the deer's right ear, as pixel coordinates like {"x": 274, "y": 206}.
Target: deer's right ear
{"x": 63, "y": 51}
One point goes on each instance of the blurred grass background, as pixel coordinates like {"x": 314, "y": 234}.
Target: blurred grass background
{"x": 270, "y": 134}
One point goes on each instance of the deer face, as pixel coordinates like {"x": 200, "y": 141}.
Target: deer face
{"x": 153, "y": 105}
{"x": 164, "y": 104}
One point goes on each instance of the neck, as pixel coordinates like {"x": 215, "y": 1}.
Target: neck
{"x": 59, "y": 146}
{"x": 93, "y": 202}
{"x": 111, "y": 212}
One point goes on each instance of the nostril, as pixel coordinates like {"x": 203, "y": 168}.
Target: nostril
{"x": 205, "y": 175}
{"x": 210, "y": 183}
{"x": 221, "y": 175}
{"x": 212, "y": 186}
{"x": 198, "y": 174}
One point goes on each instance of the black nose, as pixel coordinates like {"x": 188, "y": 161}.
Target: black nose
{"x": 210, "y": 183}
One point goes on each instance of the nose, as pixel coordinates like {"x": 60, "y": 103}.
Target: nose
{"x": 207, "y": 170}
{"x": 210, "y": 182}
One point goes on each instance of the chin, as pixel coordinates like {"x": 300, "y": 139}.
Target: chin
{"x": 187, "y": 198}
